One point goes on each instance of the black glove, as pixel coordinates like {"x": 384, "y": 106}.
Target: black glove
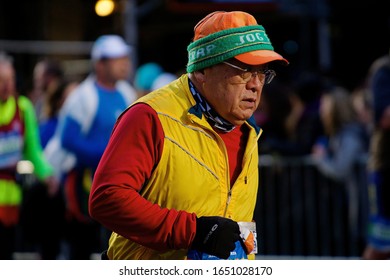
{"x": 216, "y": 236}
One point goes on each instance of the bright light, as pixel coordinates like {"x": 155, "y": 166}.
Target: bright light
{"x": 104, "y": 7}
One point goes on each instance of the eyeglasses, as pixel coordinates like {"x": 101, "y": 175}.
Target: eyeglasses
{"x": 265, "y": 75}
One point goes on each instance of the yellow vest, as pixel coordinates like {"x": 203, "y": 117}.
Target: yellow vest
{"x": 193, "y": 172}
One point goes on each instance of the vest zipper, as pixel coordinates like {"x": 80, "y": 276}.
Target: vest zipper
{"x": 229, "y": 196}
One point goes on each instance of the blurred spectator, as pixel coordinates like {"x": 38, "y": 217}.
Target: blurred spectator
{"x": 19, "y": 140}
{"x": 303, "y": 124}
{"x": 343, "y": 145}
{"x": 344, "y": 140}
{"x": 151, "y": 76}
{"x": 289, "y": 116}
{"x": 271, "y": 116}
{"x": 362, "y": 103}
{"x": 162, "y": 80}
{"x": 52, "y": 104}
{"x": 378, "y": 244}
{"x": 47, "y": 75}
{"x": 84, "y": 127}
{"x": 42, "y": 213}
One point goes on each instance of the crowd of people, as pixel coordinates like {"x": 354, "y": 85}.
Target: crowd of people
{"x": 62, "y": 126}
{"x": 166, "y": 167}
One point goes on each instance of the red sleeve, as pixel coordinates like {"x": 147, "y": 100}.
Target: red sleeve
{"x": 133, "y": 151}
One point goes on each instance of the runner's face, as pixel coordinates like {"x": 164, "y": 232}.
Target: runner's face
{"x": 234, "y": 98}
{"x": 118, "y": 68}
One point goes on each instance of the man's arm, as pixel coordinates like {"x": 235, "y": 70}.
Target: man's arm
{"x": 132, "y": 153}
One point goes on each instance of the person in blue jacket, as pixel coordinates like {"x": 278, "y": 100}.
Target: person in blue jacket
{"x": 85, "y": 123}
{"x": 378, "y": 237}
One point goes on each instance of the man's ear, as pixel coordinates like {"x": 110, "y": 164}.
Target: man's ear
{"x": 200, "y": 76}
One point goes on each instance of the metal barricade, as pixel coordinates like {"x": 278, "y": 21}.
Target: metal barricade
{"x": 301, "y": 213}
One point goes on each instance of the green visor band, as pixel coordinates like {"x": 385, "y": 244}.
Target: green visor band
{"x": 225, "y": 44}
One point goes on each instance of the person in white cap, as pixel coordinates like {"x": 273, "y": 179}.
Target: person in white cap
{"x": 84, "y": 127}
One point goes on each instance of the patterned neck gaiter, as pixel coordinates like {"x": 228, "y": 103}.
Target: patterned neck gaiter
{"x": 212, "y": 117}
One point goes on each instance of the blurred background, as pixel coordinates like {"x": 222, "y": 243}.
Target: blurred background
{"x": 340, "y": 38}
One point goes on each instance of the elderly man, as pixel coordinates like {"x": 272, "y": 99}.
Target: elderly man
{"x": 179, "y": 176}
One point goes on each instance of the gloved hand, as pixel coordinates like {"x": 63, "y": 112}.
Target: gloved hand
{"x": 216, "y": 236}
